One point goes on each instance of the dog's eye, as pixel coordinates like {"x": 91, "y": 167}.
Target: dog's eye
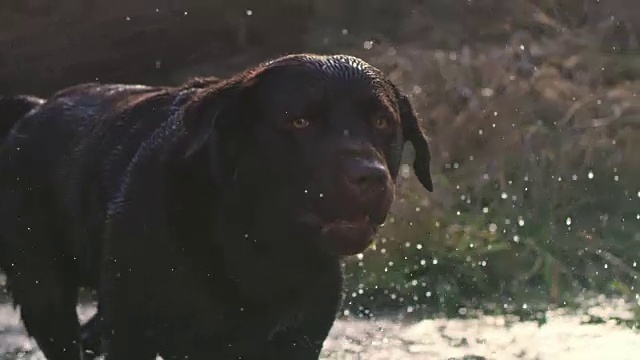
{"x": 380, "y": 123}
{"x": 300, "y": 123}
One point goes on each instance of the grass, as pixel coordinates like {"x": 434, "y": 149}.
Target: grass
{"x": 537, "y": 198}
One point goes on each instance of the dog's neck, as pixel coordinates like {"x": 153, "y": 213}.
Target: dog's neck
{"x": 266, "y": 248}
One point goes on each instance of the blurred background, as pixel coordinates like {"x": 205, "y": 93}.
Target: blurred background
{"x": 531, "y": 108}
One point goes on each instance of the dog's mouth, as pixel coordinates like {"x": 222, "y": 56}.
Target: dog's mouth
{"x": 343, "y": 237}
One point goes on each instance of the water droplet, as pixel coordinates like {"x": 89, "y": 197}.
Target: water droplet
{"x": 568, "y": 221}
{"x": 493, "y": 227}
{"x": 504, "y": 195}
{"x": 249, "y": 12}
{"x": 435, "y": 261}
{"x": 520, "y": 221}
{"x": 368, "y": 45}
{"x": 127, "y": 18}
{"x": 487, "y": 92}
{"x": 590, "y": 174}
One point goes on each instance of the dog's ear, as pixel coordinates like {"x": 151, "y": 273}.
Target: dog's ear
{"x": 205, "y": 113}
{"x": 211, "y": 121}
{"x": 412, "y": 132}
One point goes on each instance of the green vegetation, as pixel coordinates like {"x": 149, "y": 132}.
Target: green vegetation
{"x": 538, "y": 180}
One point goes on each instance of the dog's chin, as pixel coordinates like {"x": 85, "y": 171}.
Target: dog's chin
{"x": 346, "y": 238}
{"x": 343, "y": 237}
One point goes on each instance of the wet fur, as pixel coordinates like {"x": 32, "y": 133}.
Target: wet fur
{"x": 155, "y": 197}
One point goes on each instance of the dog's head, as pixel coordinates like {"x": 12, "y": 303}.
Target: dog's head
{"x": 320, "y": 137}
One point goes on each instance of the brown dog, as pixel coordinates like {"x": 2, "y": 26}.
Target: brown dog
{"x": 211, "y": 217}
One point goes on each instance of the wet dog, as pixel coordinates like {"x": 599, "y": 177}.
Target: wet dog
{"x": 211, "y": 217}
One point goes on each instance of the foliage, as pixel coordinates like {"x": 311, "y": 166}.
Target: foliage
{"x": 537, "y": 196}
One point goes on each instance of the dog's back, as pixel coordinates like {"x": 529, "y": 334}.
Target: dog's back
{"x": 61, "y": 161}
{"x": 73, "y": 150}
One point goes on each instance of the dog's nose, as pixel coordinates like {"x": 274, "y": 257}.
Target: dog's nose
{"x": 366, "y": 176}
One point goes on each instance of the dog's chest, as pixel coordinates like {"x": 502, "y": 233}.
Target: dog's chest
{"x": 277, "y": 314}
{"x": 286, "y": 321}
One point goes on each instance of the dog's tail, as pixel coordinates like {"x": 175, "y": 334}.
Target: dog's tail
{"x": 12, "y": 108}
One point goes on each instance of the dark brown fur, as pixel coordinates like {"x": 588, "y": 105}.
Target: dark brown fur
{"x": 210, "y": 217}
